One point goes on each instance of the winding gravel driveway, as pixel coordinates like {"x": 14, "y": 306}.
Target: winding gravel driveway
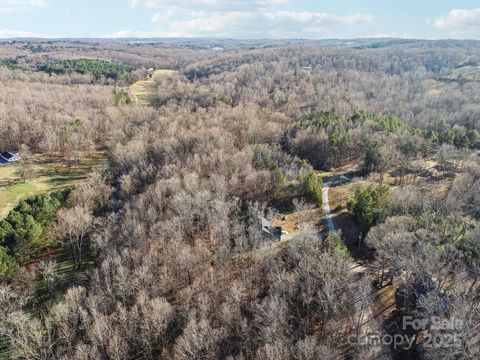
{"x": 327, "y": 212}
{"x": 356, "y": 267}
{"x": 371, "y": 323}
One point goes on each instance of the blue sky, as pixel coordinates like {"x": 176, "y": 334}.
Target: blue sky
{"x": 318, "y": 19}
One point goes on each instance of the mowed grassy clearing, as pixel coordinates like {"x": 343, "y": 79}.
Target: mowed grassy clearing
{"x": 47, "y": 174}
{"x": 467, "y": 73}
{"x": 144, "y": 91}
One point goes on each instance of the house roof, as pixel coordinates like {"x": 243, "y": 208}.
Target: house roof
{"x": 8, "y": 157}
{"x": 266, "y": 225}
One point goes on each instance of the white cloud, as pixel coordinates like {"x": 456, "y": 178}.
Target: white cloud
{"x": 268, "y": 24}
{"x": 141, "y": 34}
{"x": 223, "y": 23}
{"x": 244, "y": 19}
{"x": 395, "y": 35}
{"x": 158, "y": 17}
{"x": 7, "y": 33}
{"x": 256, "y": 24}
{"x": 23, "y": 2}
{"x": 459, "y": 22}
{"x": 210, "y": 5}
{"x": 15, "y": 5}
{"x": 320, "y": 18}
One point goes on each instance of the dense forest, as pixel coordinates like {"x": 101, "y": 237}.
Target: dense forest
{"x": 371, "y": 146}
{"x": 98, "y": 68}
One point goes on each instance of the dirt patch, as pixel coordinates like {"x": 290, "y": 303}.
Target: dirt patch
{"x": 291, "y": 222}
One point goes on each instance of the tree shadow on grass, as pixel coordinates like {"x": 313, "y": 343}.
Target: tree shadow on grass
{"x": 351, "y": 234}
{"x": 61, "y": 172}
{"x": 67, "y": 276}
{"x": 63, "y": 176}
{"x": 284, "y": 205}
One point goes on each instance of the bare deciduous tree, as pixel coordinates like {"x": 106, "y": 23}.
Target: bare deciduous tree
{"x": 71, "y": 228}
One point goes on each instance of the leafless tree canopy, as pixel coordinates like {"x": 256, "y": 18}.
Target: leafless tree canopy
{"x": 179, "y": 271}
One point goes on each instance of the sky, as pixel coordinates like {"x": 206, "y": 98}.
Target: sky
{"x": 243, "y": 19}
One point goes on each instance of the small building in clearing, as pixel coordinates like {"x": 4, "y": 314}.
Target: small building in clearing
{"x": 9, "y": 157}
{"x": 268, "y": 230}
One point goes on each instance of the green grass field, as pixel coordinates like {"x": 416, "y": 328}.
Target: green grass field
{"x": 470, "y": 72}
{"x": 467, "y": 73}
{"x": 145, "y": 90}
{"x": 48, "y": 174}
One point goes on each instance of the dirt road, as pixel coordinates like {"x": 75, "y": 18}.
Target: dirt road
{"x": 370, "y": 319}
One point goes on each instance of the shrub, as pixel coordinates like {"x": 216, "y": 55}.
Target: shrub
{"x": 334, "y": 243}
{"x": 8, "y": 265}
{"x": 369, "y": 206}
{"x": 313, "y": 185}
{"x": 121, "y": 97}
{"x": 26, "y": 228}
